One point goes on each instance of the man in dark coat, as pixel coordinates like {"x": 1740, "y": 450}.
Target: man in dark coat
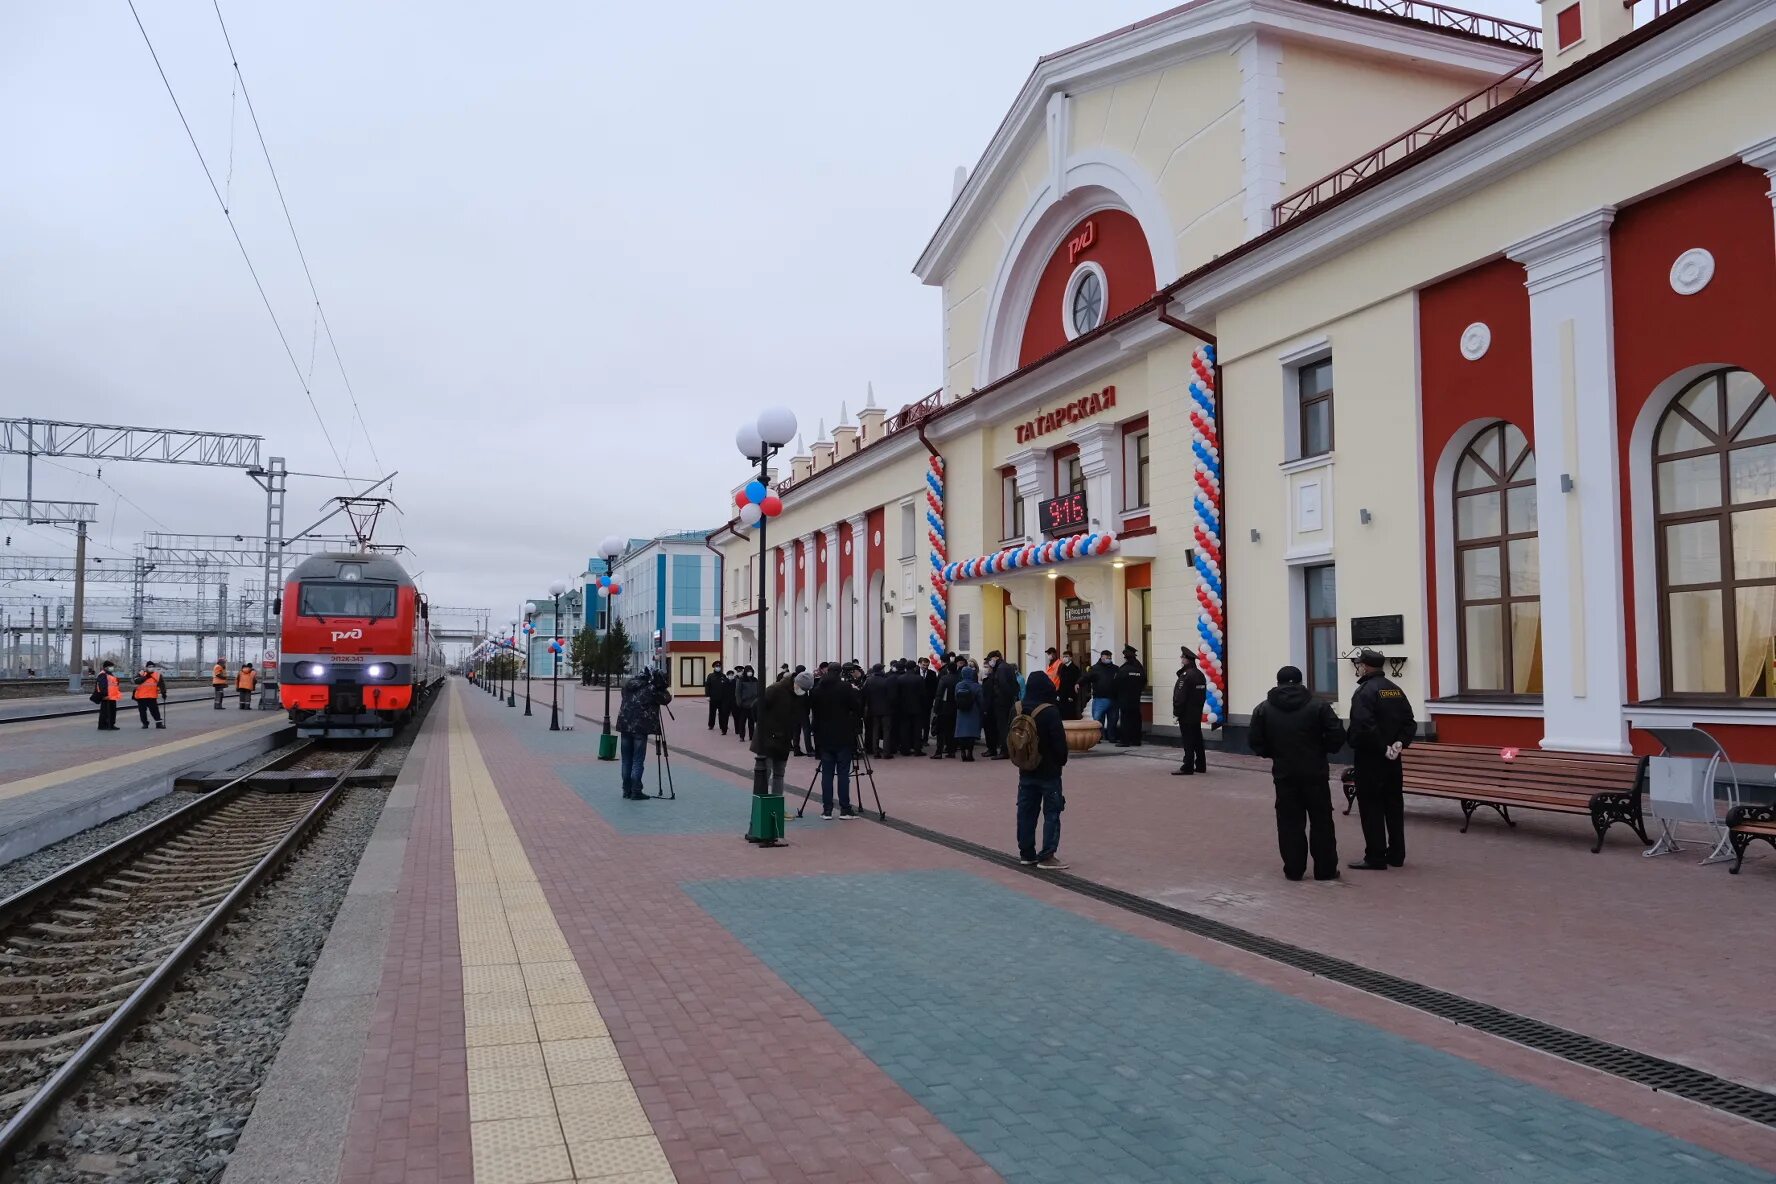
{"x": 1039, "y": 790}
{"x": 1101, "y": 681}
{"x": 1381, "y": 728}
{"x": 1068, "y": 690}
{"x": 1297, "y": 731}
{"x": 1189, "y": 694}
{"x": 803, "y": 744}
{"x": 782, "y": 708}
{"x": 878, "y": 704}
{"x": 837, "y": 710}
{"x": 909, "y": 702}
{"x": 1004, "y": 681}
{"x": 929, "y": 700}
{"x": 746, "y": 702}
{"x": 989, "y": 719}
{"x": 637, "y": 719}
{"x": 943, "y": 710}
{"x": 1131, "y": 681}
{"x": 715, "y": 689}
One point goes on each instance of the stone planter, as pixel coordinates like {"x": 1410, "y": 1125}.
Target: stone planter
{"x": 1082, "y": 734}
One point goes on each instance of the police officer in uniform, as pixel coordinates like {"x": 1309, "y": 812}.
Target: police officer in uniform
{"x": 1381, "y": 727}
{"x": 1189, "y": 695}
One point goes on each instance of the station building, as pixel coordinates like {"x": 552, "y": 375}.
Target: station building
{"x": 670, "y": 606}
{"x": 1334, "y": 324}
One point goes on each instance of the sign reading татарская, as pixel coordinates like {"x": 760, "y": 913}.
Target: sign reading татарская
{"x": 1084, "y": 407}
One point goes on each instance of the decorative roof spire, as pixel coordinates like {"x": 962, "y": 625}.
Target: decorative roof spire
{"x": 844, "y": 416}
{"x": 800, "y": 451}
{"x": 871, "y": 404}
{"x": 821, "y": 438}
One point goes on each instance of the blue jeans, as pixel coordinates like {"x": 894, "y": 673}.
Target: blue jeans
{"x": 831, "y": 760}
{"x": 634, "y": 754}
{"x": 1105, "y": 713}
{"x": 1039, "y": 795}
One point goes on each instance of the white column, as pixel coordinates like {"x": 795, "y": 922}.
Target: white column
{"x": 830, "y": 643}
{"x": 1035, "y": 483}
{"x": 1763, "y": 156}
{"x": 805, "y": 633}
{"x": 1578, "y": 486}
{"x": 1100, "y": 460}
{"x": 859, "y": 585}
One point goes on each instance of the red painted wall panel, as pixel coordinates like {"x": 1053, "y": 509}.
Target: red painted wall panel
{"x": 846, "y": 542}
{"x": 875, "y": 562}
{"x": 1659, "y": 332}
{"x": 1491, "y": 731}
{"x": 1120, "y": 248}
{"x": 819, "y": 561}
{"x": 1455, "y": 391}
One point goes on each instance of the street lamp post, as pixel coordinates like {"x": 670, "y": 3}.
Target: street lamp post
{"x": 555, "y": 591}
{"x": 529, "y": 630}
{"x": 759, "y": 442}
{"x": 512, "y": 676}
{"x": 611, "y": 549}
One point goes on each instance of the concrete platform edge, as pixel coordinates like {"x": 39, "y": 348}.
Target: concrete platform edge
{"x": 299, "y": 1120}
{"x": 52, "y": 826}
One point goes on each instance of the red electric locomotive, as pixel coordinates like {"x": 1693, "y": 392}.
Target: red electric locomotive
{"x": 357, "y": 651}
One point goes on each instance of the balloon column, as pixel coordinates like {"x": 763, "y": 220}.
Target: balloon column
{"x": 755, "y": 500}
{"x": 1211, "y": 617}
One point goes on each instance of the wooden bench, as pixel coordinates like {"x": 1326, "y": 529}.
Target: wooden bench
{"x": 1604, "y": 786}
{"x": 1746, "y": 823}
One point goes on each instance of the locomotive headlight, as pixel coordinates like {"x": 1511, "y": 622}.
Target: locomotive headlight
{"x": 314, "y": 670}
{"x": 377, "y": 670}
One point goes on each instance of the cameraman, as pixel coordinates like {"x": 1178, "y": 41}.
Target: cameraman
{"x": 638, "y": 718}
{"x": 836, "y": 709}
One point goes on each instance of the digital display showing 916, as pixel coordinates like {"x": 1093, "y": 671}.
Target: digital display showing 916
{"x": 1063, "y": 515}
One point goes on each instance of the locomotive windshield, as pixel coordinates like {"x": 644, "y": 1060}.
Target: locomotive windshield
{"x": 347, "y": 600}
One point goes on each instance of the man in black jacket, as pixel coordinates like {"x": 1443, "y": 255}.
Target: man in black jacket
{"x": 715, "y": 689}
{"x": 929, "y": 678}
{"x": 1039, "y": 790}
{"x": 909, "y": 702}
{"x": 782, "y": 708}
{"x": 1131, "y": 681}
{"x": 943, "y": 710}
{"x": 1004, "y": 700}
{"x": 837, "y": 710}
{"x": 1381, "y": 727}
{"x": 878, "y": 701}
{"x": 1071, "y": 678}
{"x": 1297, "y": 731}
{"x": 1189, "y": 694}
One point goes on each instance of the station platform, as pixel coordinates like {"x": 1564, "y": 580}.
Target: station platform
{"x": 60, "y": 776}
{"x": 544, "y": 983}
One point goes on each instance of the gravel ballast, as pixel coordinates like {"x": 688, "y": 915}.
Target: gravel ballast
{"x": 170, "y": 1103}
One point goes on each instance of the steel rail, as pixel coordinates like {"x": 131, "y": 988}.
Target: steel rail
{"x": 18, "y": 1131}
{"x": 75, "y": 714}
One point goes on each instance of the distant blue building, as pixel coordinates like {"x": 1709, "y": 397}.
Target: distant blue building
{"x": 670, "y": 605}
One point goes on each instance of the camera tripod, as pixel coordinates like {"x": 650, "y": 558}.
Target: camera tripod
{"x": 663, "y": 763}
{"x": 861, "y": 770}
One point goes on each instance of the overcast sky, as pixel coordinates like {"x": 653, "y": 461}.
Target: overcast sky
{"x": 565, "y": 249}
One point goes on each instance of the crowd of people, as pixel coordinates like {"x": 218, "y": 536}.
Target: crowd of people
{"x": 839, "y": 713}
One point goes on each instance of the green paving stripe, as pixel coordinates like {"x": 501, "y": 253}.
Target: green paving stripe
{"x": 1655, "y": 1073}
{"x": 1065, "y": 1051}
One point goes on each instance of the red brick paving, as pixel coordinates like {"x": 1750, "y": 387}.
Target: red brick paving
{"x": 743, "y": 1080}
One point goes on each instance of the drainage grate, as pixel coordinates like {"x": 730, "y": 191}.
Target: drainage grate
{"x": 1653, "y": 1072}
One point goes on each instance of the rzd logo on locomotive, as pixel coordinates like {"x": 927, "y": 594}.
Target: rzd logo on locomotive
{"x": 348, "y": 634}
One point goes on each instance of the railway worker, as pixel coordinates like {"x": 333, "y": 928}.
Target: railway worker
{"x": 244, "y": 682}
{"x": 219, "y": 681}
{"x": 1296, "y": 731}
{"x": 107, "y": 691}
{"x": 1189, "y": 695}
{"x": 1381, "y": 726}
{"x": 149, "y": 686}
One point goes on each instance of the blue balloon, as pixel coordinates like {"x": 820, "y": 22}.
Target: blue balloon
{"x": 756, "y": 491}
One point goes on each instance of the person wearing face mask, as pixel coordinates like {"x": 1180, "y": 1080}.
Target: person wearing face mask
{"x": 781, "y": 710}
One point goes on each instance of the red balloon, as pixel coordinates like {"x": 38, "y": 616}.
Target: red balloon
{"x": 740, "y": 497}
{"x": 772, "y": 505}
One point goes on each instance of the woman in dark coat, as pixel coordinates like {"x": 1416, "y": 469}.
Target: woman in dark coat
{"x": 968, "y": 718}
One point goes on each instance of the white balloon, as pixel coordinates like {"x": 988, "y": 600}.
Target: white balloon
{"x": 750, "y": 514}
{"x": 748, "y": 442}
{"x": 777, "y": 426}
{"x": 612, "y": 546}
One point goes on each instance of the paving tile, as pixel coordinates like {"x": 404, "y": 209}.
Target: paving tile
{"x": 510, "y": 1134}
{"x": 529, "y": 1165}
{"x": 512, "y": 1103}
{"x": 611, "y": 1157}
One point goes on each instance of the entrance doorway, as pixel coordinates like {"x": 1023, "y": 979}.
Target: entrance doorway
{"x": 1076, "y": 621}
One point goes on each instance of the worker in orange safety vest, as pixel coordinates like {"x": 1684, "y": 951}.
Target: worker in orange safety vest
{"x": 244, "y": 683}
{"x": 219, "y": 681}
{"x": 106, "y": 693}
{"x": 147, "y": 695}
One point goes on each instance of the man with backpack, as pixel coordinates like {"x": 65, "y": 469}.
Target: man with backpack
{"x": 1036, "y": 742}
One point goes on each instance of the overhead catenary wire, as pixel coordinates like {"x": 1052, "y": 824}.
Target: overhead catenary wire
{"x": 278, "y": 185}
{"x": 235, "y": 230}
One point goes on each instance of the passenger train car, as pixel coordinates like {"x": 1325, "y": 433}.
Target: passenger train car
{"x": 357, "y": 653}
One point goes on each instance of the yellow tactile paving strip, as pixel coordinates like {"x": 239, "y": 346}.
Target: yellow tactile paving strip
{"x": 549, "y": 1100}
{"x": 25, "y": 785}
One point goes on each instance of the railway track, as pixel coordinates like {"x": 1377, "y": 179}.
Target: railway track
{"x": 85, "y": 954}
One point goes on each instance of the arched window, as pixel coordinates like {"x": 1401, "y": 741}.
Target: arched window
{"x": 1714, "y": 483}
{"x": 1498, "y": 568}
